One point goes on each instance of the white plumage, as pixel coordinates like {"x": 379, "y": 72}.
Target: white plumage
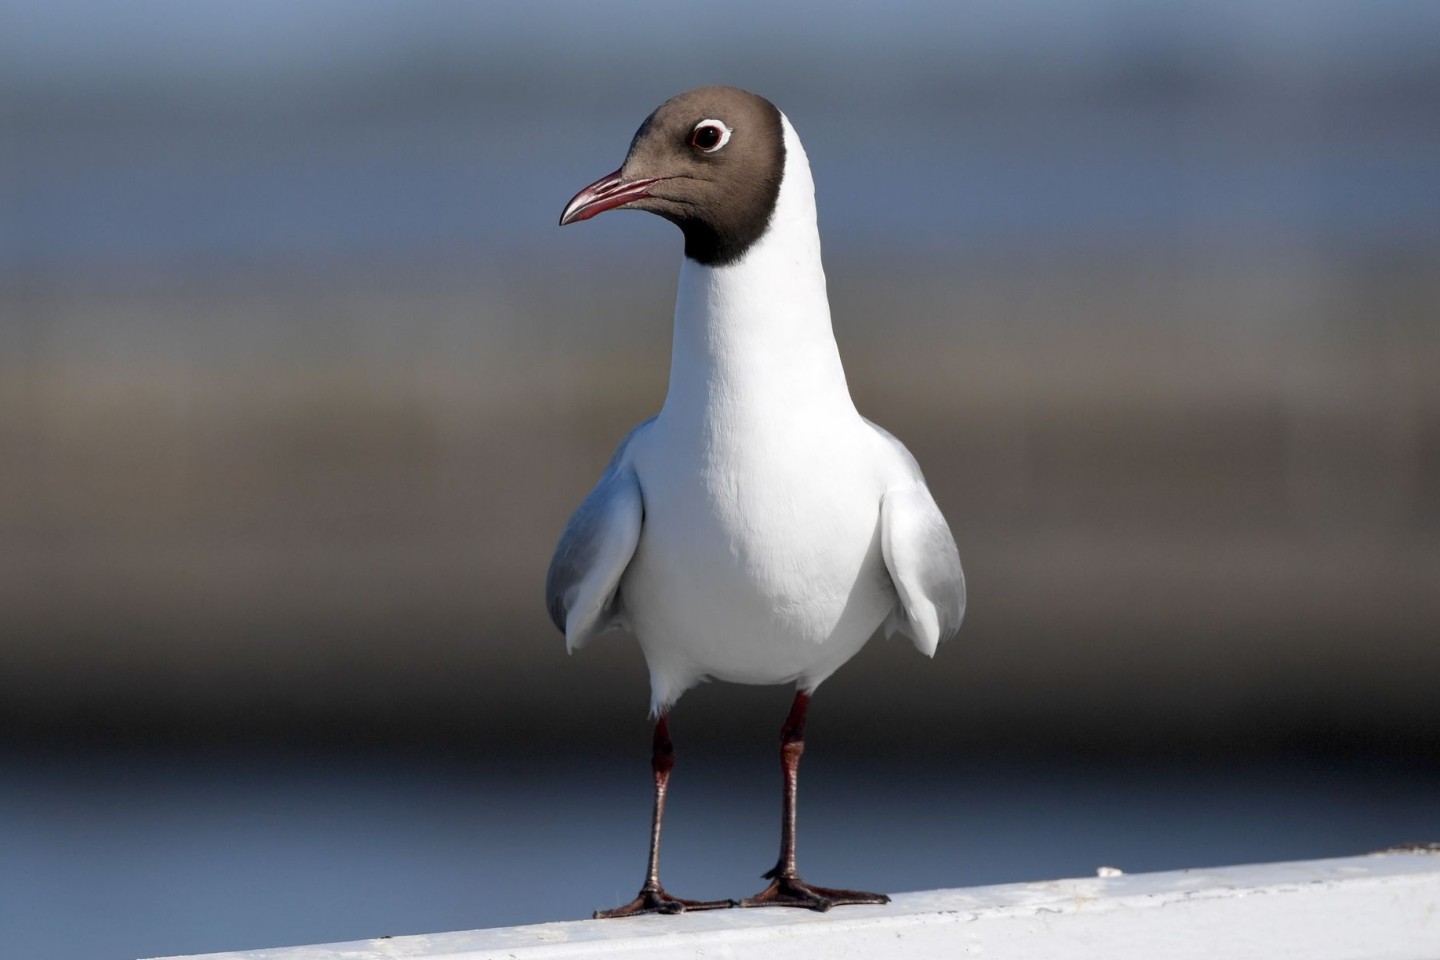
{"x": 758, "y": 529}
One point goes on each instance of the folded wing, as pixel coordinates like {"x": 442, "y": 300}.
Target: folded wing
{"x": 582, "y": 587}
{"x": 924, "y": 566}
{"x": 920, "y": 556}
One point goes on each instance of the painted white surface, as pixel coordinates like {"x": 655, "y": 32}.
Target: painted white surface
{"x": 1384, "y": 905}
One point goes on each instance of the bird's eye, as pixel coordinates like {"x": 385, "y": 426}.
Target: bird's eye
{"x": 709, "y": 136}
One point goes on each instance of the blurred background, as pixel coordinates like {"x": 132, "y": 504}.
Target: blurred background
{"x": 299, "y": 383}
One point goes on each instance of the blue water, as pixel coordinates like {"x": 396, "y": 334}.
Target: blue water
{"x": 124, "y": 857}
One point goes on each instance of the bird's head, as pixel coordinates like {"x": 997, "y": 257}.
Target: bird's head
{"x": 710, "y": 161}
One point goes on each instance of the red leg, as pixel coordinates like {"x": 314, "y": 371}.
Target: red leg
{"x": 787, "y": 889}
{"x": 652, "y": 897}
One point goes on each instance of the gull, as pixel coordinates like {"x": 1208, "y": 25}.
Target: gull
{"x": 757, "y": 529}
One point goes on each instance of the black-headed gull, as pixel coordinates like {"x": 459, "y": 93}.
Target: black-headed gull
{"x": 758, "y": 529}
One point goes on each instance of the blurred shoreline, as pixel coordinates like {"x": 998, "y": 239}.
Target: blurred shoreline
{"x": 1191, "y": 499}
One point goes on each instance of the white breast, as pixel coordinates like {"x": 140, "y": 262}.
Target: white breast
{"x": 759, "y": 559}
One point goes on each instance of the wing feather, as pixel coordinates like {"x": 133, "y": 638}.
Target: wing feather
{"x": 583, "y": 584}
{"x": 922, "y": 559}
{"x": 924, "y": 565}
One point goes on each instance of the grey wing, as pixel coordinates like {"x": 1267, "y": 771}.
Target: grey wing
{"x": 922, "y": 560}
{"x": 582, "y": 586}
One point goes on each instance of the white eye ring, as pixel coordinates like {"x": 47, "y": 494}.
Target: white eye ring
{"x": 718, "y": 125}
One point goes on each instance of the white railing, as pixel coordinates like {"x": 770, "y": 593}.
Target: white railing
{"x": 1384, "y": 906}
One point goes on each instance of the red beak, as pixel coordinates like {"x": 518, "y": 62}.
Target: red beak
{"x": 607, "y": 193}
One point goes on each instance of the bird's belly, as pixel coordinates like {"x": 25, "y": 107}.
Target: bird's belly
{"x": 754, "y": 579}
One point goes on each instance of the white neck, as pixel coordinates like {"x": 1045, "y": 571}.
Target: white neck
{"x": 753, "y": 338}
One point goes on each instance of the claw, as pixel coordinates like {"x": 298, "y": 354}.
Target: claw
{"x": 794, "y": 892}
{"x": 656, "y": 900}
